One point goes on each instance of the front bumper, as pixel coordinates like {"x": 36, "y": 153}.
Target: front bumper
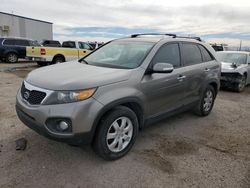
{"x": 230, "y": 79}
{"x": 82, "y": 115}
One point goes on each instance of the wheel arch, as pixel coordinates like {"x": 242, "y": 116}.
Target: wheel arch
{"x": 11, "y": 51}
{"x": 133, "y": 103}
{"x": 215, "y": 86}
{"x": 59, "y": 55}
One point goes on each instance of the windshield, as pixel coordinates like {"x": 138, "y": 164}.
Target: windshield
{"x": 126, "y": 55}
{"x": 232, "y": 58}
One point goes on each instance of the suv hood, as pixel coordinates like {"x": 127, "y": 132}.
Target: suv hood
{"x": 75, "y": 76}
{"x": 229, "y": 67}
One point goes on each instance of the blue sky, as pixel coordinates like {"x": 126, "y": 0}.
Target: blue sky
{"x": 224, "y": 21}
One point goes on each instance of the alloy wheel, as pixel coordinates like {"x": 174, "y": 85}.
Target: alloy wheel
{"x": 119, "y": 134}
{"x": 208, "y": 101}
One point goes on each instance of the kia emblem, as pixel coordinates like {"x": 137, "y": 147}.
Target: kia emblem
{"x": 26, "y": 95}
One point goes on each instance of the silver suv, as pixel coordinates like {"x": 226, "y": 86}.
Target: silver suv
{"x": 106, "y": 97}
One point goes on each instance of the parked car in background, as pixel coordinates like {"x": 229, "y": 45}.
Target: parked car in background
{"x": 218, "y": 47}
{"x": 70, "y": 50}
{"x": 12, "y": 49}
{"x": 235, "y": 72}
{"x": 95, "y": 45}
{"x": 106, "y": 97}
{"x": 50, "y": 43}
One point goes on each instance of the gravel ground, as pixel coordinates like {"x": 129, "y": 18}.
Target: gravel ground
{"x": 181, "y": 151}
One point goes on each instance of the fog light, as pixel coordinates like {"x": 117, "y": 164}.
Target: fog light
{"x": 63, "y": 125}
{"x": 59, "y": 125}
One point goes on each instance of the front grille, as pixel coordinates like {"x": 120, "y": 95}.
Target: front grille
{"x": 231, "y": 77}
{"x": 32, "y": 97}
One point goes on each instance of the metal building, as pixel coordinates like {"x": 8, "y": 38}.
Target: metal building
{"x": 18, "y": 26}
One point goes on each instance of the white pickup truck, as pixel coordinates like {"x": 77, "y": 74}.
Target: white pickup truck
{"x": 70, "y": 50}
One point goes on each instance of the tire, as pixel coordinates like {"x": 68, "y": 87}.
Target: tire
{"x": 241, "y": 85}
{"x": 58, "y": 59}
{"x": 12, "y": 58}
{"x": 206, "y": 102}
{"x": 109, "y": 149}
{"x": 42, "y": 64}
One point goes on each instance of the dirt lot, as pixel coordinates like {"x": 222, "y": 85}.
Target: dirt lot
{"x": 182, "y": 151}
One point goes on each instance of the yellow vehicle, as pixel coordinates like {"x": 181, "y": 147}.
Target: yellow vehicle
{"x": 70, "y": 50}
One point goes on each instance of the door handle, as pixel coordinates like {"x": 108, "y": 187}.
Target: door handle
{"x": 206, "y": 70}
{"x": 181, "y": 78}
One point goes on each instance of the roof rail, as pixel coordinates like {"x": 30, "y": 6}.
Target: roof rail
{"x": 166, "y": 34}
{"x": 195, "y": 38}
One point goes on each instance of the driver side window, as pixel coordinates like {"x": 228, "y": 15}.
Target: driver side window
{"x": 168, "y": 53}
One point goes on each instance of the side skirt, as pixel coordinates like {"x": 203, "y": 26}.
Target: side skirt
{"x": 161, "y": 116}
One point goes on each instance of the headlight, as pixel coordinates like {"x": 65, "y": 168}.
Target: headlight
{"x": 60, "y": 97}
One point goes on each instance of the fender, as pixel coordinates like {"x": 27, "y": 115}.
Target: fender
{"x": 113, "y": 104}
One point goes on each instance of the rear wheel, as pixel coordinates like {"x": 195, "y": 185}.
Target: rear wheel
{"x": 242, "y": 84}
{"x": 58, "y": 59}
{"x": 206, "y": 102}
{"x": 12, "y": 58}
{"x": 116, "y": 134}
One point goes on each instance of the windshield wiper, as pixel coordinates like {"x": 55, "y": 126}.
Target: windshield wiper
{"x": 84, "y": 61}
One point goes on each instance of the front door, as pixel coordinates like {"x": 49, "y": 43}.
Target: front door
{"x": 164, "y": 91}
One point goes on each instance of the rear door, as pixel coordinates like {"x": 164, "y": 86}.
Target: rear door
{"x": 196, "y": 69}
{"x": 248, "y": 69}
{"x": 164, "y": 91}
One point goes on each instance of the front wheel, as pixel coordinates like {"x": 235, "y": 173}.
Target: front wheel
{"x": 242, "y": 84}
{"x": 206, "y": 102}
{"x": 116, "y": 134}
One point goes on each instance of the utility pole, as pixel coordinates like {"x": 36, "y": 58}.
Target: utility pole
{"x": 240, "y": 45}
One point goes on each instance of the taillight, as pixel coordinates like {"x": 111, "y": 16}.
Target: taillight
{"x": 42, "y": 51}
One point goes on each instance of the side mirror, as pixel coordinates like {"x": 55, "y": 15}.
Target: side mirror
{"x": 163, "y": 68}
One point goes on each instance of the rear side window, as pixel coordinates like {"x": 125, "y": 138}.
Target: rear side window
{"x": 22, "y": 43}
{"x": 169, "y": 53}
{"x": 205, "y": 54}
{"x": 249, "y": 59}
{"x": 191, "y": 54}
{"x": 9, "y": 42}
{"x": 69, "y": 45}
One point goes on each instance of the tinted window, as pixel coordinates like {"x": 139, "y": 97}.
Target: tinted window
{"x": 51, "y": 43}
{"x": 21, "y": 43}
{"x": 218, "y": 48}
{"x": 168, "y": 54}
{"x": 191, "y": 54}
{"x": 9, "y": 42}
{"x": 69, "y": 45}
{"x": 206, "y": 56}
